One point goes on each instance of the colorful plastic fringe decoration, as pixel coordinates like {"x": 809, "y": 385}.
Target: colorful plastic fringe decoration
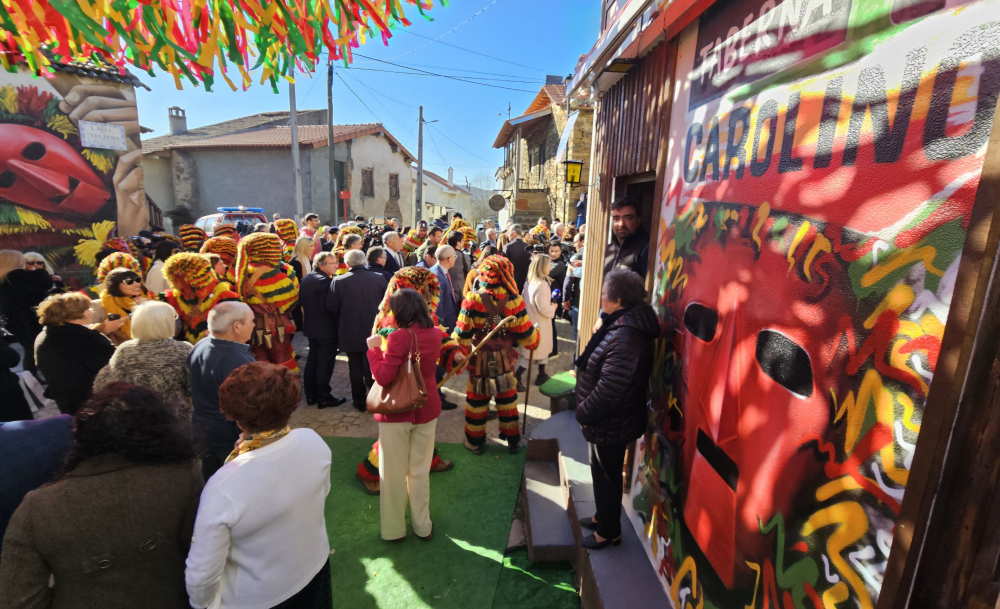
{"x": 186, "y": 38}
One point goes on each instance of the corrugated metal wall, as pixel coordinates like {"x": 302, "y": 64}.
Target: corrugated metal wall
{"x": 628, "y": 133}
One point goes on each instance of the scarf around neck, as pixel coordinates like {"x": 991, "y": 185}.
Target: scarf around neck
{"x": 121, "y": 305}
{"x": 258, "y": 440}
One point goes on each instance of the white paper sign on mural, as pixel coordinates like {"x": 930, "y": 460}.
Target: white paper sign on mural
{"x": 102, "y": 135}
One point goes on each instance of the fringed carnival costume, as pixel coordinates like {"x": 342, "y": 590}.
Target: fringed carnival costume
{"x": 288, "y": 231}
{"x": 271, "y": 289}
{"x": 425, "y": 282}
{"x": 540, "y": 234}
{"x": 471, "y": 242}
{"x": 196, "y": 290}
{"x": 226, "y": 230}
{"x": 338, "y": 251}
{"x": 491, "y": 369}
{"x": 413, "y": 239}
{"x": 224, "y": 248}
{"x": 191, "y": 237}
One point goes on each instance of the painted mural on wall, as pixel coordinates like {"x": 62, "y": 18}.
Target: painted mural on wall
{"x": 820, "y": 182}
{"x": 57, "y": 197}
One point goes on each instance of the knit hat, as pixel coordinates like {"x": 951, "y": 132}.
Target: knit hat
{"x": 189, "y": 272}
{"x": 412, "y": 277}
{"x": 226, "y": 230}
{"x": 422, "y": 224}
{"x": 497, "y": 271}
{"x": 118, "y": 260}
{"x": 191, "y": 237}
{"x": 261, "y": 248}
{"x": 223, "y": 247}
{"x": 458, "y": 224}
{"x": 287, "y": 230}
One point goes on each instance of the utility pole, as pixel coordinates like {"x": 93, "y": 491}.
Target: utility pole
{"x": 418, "y": 204}
{"x": 329, "y": 142}
{"x": 295, "y": 149}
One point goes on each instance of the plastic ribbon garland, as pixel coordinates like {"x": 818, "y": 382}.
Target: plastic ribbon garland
{"x": 187, "y": 37}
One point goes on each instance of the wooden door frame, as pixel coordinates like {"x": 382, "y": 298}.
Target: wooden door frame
{"x": 946, "y": 539}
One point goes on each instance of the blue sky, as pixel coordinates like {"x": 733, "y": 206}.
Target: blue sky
{"x": 543, "y": 36}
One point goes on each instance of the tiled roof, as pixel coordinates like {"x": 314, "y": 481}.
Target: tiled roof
{"x": 442, "y": 181}
{"x": 548, "y": 96}
{"x": 100, "y": 71}
{"x": 314, "y": 136}
{"x": 155, "y": 144}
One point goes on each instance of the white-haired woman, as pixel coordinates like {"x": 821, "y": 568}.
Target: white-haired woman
{"x": 153, "y": 359}
{"x": 541, "y": 310}
{"x": 21, "y": 290}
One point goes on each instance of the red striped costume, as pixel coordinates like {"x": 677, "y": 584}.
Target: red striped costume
{"x": 271, "y": 289}
{"x": 491, "y": 368}
{"x": 196, "y": 290}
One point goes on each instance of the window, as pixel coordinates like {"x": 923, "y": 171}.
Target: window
{"x": 393, "y": 185}
{"x": 367, "y": 182}
{"x": 541, "y": 156}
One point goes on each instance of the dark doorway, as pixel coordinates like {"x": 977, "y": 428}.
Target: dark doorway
{"x": 642, "y": 188}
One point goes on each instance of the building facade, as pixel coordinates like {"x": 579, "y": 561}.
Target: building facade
{"x": 248, "y": 162}
{"x": 535, "y": 145}
{"x": 818, "y": 183}
{"x": 443, "y": 196}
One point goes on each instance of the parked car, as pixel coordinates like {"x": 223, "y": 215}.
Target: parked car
{"x": 231, "y": 215}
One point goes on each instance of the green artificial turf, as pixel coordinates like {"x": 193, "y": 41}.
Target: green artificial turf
{"x": 471, "y": 506}
{"x": 523, "y": 585}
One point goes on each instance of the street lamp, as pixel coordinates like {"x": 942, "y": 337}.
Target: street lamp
{"x": 573, "y": 171}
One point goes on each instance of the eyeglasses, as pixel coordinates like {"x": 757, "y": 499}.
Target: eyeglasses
{"x": 130, "y": 280}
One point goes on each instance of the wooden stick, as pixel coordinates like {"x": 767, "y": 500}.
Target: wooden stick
{"x": 527, "y": 392}
{"x": 468, "y": 357}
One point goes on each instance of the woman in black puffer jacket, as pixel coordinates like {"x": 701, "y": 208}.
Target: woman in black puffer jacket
{"x": 612, "y": 377}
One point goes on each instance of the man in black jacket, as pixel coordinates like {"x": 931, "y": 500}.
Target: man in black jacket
{"x": 321, "y": 329}
{"x": 519, "y": 254}
{"x": 355, "y": 297}
{"x": 629, "y": 247}
{"x": 376, "y": 262}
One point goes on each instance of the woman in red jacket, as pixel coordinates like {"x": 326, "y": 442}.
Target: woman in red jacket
{"x": 407, "y": 440}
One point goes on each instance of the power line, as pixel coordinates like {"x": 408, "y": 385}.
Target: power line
{"x": 436, "y": 149}
{"x": 471, "y": 78}
{"x": 401, "y": 124}
{"x": 379, "y": 92}
{"x": 520, "y": 65}
{"x": 479, "y": 12}
{"x": 358, "y": 96}
{"x": 424, "y": 65}
{"x": 463, "y": 148}
{"x": 482, "y": 84}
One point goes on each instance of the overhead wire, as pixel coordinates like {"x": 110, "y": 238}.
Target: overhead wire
{"x": 463, "y": 148}
{"x": 424, "y": 65}
{"x": 436, "y": 149}
{"x": 359, "y": 97}
{"x": 447, "y": 44}
{"x": 424, "y": 73}
{"x": 479, "y": 12}
{"x": 482, "y": 84}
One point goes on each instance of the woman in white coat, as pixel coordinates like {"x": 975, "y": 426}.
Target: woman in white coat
{"x": 538, "y": 301}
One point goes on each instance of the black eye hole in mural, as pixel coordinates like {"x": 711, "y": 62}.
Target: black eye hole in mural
{"x": 7, "y": 179}
{"x": 785, "y": 362}
{"x": 34, "y": 151}
{"x": 701, "y": 321}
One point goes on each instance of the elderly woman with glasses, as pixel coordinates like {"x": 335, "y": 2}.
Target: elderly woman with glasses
{"x": 153, "y": 359}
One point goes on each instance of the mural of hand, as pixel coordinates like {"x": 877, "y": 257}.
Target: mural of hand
{"x": 101, "y": 104}
{"x": 133, "y": 213}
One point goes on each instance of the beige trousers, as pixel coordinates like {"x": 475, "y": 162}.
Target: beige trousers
{"x": 405, "y": 454}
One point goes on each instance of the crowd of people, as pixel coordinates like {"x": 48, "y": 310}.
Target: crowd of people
{"x": 176, "y": 379}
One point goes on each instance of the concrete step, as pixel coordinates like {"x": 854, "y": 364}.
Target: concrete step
{"x": 547, "y": 531}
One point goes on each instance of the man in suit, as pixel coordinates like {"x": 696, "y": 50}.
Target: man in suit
{"x": 447, "y": 310}
{"x": 355, "y": 297}
{"x": 519, "y": 254}
{"x": 321, "y": 329}
{"x": 376, "y": 262}
{"x": 393, "y": 251}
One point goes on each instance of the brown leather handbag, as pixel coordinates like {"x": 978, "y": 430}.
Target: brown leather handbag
{"x": 406, "y": 392}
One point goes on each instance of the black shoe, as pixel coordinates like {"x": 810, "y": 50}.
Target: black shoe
{"x": 332, "y": 402}
{"x": 513, "y": 448}
{"x": 310, "y": 401}
{"x": 590, "y": 542}
{"x": 541, "y": 379}
{"x": 588, "y": 523}
{"x": 448, "y": 405}
{"x": 476, "y": 450}
{"x": 362, "y": 408}
{"x": 520, "y": 386}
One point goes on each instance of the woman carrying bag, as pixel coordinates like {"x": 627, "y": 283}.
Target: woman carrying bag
{"x": 406, "y": 439}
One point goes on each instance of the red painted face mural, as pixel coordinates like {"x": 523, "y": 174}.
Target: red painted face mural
{"x": 755, "y": 346}
{"x": 43, "y": 172}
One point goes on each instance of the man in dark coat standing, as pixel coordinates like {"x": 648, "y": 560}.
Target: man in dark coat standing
{"x": 321, "y": 329}
{"x": 629, "y": 247}
{"x": 355, "y": 297}
{"x": 393, "y": 251}
{"x": 519, "y": 254}
{"x": 376, "y": 262}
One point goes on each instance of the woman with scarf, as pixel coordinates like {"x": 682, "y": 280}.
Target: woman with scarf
{"x": 260, "y": 536}
{"x": 123, "y": 290}
{"x": 612, "y": 376}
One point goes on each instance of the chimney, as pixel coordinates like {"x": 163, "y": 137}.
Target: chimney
{"x": 451, "y": 178}
{"x": 178, "y": 121}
